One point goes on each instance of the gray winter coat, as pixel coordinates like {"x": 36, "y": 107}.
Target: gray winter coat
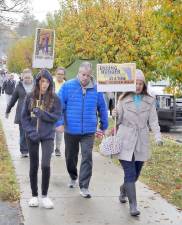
{"x": 133, "y": 129}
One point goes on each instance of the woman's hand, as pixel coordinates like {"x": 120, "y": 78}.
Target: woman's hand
{"x": 37, "y": 112}
{"x": 159, "y": 143}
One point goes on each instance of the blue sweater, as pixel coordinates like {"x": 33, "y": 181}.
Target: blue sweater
{"x": 137, "y": 100}
{"x": 81, "y": 111}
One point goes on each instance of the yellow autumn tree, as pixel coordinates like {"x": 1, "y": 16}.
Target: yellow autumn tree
{"x": 168, "y": 44}
{"x": 20, "y": 55}
{"x": 145, "y": 32}
{"x": 110, "y": 31}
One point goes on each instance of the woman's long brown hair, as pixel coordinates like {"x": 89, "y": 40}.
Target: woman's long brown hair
{"x": 144, "y": 92}
{"x": 48, "y": 98}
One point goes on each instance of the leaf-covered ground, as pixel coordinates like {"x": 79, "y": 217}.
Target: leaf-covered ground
{"x": 163, "y": 173}
{"x": 9, "y": 189}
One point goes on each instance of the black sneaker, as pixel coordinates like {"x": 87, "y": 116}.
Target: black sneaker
{"x": 57, "y": 152}
{"x": 24, "y": 155}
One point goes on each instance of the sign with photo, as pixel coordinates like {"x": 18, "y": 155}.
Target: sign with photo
{"x": 113, "y": 77}
{"x": 43, "y": 56}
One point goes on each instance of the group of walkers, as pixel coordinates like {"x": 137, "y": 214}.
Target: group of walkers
{"x": 46, "y": 109}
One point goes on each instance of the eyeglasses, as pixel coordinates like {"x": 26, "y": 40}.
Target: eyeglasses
{"x": 60, "y": 74}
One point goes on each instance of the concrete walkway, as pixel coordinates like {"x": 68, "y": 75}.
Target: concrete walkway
{"x": 10, "y": 213}
{"x": 70, "y": 208}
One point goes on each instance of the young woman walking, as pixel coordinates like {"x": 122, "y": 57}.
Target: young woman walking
{"x": 41, "y": 111}
{"x": 135, "y": 113}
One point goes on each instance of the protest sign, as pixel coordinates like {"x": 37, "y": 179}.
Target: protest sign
{"x": 113, "y": 77}
{"x": 43, "y": 56}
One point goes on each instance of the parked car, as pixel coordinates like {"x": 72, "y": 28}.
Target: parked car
{"x": 169, "y": 108}
{"x": 169, "y": 111}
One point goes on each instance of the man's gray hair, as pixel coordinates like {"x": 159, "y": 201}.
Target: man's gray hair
{"x": 86, "y": 65}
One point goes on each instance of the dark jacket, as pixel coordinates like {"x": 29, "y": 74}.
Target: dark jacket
{"x": 46, "y": 119}
{"x": 9, "y": 86}
{"x": 18, "y": 95}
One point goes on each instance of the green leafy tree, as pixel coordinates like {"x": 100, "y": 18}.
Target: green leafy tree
{"x": 168, "y": 15}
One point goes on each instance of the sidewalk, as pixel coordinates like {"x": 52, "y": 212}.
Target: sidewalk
{"x": 71, "y": 209}
{"x": 10, "y": 213}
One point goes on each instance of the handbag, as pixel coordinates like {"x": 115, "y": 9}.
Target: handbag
{"x": 107, "y": 147}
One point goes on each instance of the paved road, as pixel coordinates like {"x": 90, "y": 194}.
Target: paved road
{"x": 70, "y": 208}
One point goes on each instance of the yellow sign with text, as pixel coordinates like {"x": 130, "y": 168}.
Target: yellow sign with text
{"x": 113, "y": 77}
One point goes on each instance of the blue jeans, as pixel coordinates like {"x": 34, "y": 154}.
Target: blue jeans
{"x": 131, "y": 169}
{"x": 23, "y": 142}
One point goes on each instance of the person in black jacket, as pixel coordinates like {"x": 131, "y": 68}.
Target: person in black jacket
{"x": 23, "y": 87}
{"x": 41, "y": 110}
{"x": 9, "y": 87}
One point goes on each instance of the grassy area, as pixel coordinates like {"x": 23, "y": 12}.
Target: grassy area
{"x": 163, "y": 172}
{"x": 9, "y": 189}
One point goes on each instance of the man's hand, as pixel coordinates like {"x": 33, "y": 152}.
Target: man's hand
{"x": 100, "y": 133}
{"x": 60, "y": 129}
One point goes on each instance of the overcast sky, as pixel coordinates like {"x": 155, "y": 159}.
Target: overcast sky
{"x": 42, "y": 7}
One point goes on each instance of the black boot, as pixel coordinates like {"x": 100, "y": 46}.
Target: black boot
{"x": 131, "y": 194}
{"x": 122, "y": 196}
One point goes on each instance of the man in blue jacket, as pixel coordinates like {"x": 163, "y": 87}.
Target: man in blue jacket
{"x": 82, "y": 105}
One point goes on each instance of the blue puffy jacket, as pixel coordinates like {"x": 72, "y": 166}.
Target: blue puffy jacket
{"x": 81, "y": 111}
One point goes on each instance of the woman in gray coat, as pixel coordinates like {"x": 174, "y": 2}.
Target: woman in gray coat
{"x": 135, "y": 111}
